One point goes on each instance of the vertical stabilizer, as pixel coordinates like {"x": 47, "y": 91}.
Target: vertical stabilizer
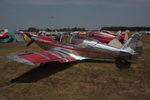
{"x": 134, "y": 43}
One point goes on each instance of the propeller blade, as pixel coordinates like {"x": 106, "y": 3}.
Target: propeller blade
{"x": 28, "y": 35}
{"x": 32, "y": 40}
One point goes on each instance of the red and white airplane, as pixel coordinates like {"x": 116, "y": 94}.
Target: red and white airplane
{"x": 4, "y": 36}
{"x": 65, "y": 48}
{"x": 106, "y": 36}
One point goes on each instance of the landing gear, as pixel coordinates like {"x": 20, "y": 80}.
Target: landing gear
{"x": 43, "y": 64}
{"x": 123, "y": 63}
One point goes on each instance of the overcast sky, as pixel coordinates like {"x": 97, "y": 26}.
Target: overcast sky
{"x": 91, "y": 14}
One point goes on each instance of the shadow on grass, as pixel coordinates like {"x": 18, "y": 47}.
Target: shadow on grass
{"x": 119, "y": 64}
{"x": 42, "y": 71}
{"x": 49, "y": 69}
{"x": 96, "y": 61}
{"x": 122, "y": 63}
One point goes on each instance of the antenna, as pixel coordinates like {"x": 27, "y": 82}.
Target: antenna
{"x": 99, "y": 28}
{"x": 52, "y": 23}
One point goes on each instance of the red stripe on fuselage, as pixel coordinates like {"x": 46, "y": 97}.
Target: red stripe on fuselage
{"x": 75, "y": 49}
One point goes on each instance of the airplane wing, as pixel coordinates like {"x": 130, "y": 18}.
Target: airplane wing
{"x": 55, "y": 54}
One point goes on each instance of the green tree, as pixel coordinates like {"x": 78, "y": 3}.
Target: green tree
{"x": 32, "y": 29}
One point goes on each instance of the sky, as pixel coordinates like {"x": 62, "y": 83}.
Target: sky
{"x": 90, "y": 14}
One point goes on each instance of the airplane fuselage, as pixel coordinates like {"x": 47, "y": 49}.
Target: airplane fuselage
{"x": 86, "y": 48}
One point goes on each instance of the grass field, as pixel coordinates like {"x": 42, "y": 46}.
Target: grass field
{"x": 87, "y": 80}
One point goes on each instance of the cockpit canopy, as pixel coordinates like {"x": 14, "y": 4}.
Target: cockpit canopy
{"x": 73, "y": 39}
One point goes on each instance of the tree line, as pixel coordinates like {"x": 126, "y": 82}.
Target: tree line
{"x": 111, "y": 28}
{"x": 33, "y": 29}
{"x": 123, "y": 28}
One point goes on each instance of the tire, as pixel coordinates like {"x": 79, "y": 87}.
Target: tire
{"x": 123, "y": 63}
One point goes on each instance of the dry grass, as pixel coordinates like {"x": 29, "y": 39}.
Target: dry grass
{"x": 87, "y": 80}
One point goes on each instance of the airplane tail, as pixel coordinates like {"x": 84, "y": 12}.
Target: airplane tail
{"x": 125, "y": 36}
{"x": 134, "y": 43}
{"x": 37, "y": 32}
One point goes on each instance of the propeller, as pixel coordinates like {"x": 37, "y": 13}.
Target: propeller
{"x": 31, "y": 41}
{"x": 30, "y": 36}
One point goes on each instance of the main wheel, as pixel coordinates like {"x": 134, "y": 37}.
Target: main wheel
{"x": 123, "y": 63}
{"x": 42, "y": 64}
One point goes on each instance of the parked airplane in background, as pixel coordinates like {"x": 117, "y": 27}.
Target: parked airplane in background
{"x": 76, "y": 47}
{"x": 106, "y": 36}
{"x": 4, "y": 36}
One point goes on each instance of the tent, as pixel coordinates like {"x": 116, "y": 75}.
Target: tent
{"x": 14, "y": 36}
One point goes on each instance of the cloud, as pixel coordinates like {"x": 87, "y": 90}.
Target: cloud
{"x": 51, "y": 2}
{"x": 110, "y": 3}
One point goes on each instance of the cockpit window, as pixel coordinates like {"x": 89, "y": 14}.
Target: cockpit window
{"x": 73, "y": 38}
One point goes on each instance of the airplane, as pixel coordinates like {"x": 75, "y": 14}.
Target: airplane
{"x": 106, "y": 36}
{"x": 4, "y": 36}
{"x": 64, "y": 48}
